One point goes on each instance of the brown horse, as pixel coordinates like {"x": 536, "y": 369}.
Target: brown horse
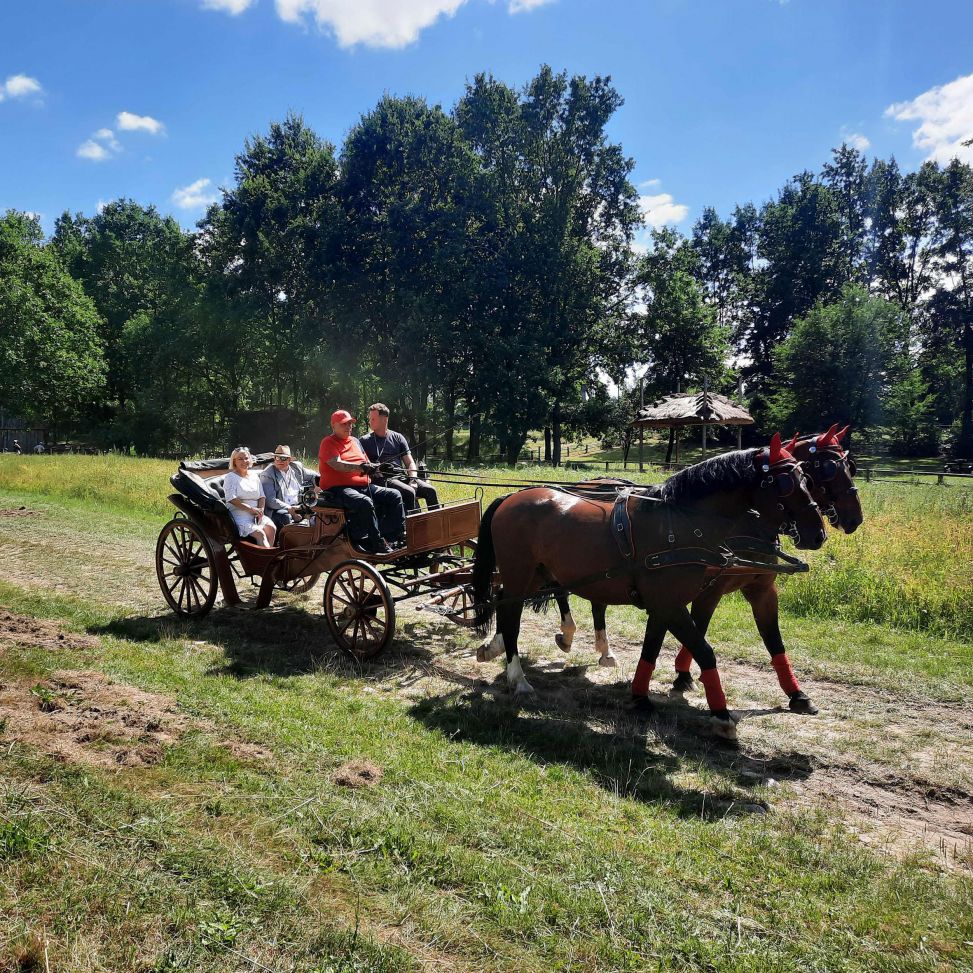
{"x": 831, "y": 474}
{"x": 543, "y": 538}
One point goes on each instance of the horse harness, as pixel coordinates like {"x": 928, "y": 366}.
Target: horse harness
{"x": 728, "y": 559}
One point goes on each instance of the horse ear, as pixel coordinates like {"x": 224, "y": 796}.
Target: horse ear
{"x": 841, "y": 435}
{"x": 789, "y": 448}
{"x": 827, "y": 437}
{"x": 775, "y": 449}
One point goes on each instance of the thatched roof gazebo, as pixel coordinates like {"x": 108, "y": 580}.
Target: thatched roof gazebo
{"x": 693, "y": 409}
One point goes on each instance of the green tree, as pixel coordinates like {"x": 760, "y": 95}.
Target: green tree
{"x": 838, "y": 363}
{"x": 51, "y": 356}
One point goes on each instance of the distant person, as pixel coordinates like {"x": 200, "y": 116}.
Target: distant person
{"x": 384, "y": 445}
{"x": 375, "y": 513}
{"x": 282, "y": 483}
{"x": 17, "y": 448}
{"x": 245, "y": 498}
{"x": 40, "y": 448}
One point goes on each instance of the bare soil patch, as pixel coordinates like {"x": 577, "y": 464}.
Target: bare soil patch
{"x": 19, "y": 512}
{"x": 85, "y": 717}
{"x": 39, "y": 633}
{"x": 357, "y": 773}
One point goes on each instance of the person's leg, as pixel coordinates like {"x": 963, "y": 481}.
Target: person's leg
{"x": 390, "y": 511}
{"x": 281, "y": 518}
{"x": 362, "y": 524}
{"x": 406, "y": 492}
{"x": 426, "y": 491}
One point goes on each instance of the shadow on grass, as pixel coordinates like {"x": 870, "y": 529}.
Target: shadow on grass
{"x": 571, "y": 721}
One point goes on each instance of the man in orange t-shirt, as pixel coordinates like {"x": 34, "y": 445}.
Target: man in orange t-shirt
{"x": 375, "y": 514}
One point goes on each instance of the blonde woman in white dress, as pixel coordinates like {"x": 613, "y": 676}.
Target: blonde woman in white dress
{"x": 245, "y": 498}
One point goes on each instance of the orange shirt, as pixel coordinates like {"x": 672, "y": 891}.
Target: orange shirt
{"x": 349, "y": 451}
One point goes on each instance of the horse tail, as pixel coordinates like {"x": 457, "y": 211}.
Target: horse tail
{"x": 483, "y": 565}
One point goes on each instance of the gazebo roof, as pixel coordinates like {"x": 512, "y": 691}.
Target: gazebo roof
{"x": 701, "y": 408}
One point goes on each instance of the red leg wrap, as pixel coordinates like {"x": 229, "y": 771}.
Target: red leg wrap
{"x": 643, "y": 676}
{"x": 684, "y": 659}
{"x": 785, "y": 674}
{"x": 714, "y": 689}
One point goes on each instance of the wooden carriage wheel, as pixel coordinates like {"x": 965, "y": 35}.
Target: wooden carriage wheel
{"x": 297, "y": 586}
{"x": 359, "y": 609}
{"x": 186, "y": 568}
{"x": 458, "y": 607}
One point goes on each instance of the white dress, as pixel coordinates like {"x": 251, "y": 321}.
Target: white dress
{"x": 246, "y": 488}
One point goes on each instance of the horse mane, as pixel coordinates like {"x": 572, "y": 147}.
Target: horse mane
{"x": 724, "y": 472}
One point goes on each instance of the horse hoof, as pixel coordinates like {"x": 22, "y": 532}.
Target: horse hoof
{"x": 642, "y": 706}
{"x": 683, "y": 684}
{"x": 800, "y": 703}
{"x": 723, "y": 729}
{"x": 609, "y": 660}
{"x": 560, "y": 642}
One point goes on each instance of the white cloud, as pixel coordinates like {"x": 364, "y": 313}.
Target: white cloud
{"x": 856, "y": 140}
{"x": 374, "y": 23}
{"x": 233, "y": 7}
{"x": 649, "y": 183}
{"x": 107, "y": 136}
{"x": 20, "y": 86}
{"x": 945, "y": 116}
{"x": 101, "y": 206}
{"x": 102, "y": 145}
{"x": 521, "y": 6}
{"x": 195, "y": 195}
{"x": 93, "y": 150}
{"x": 129, "y": 122}
{"x": 661, "y": 209}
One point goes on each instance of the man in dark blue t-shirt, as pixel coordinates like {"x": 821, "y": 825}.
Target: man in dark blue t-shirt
{"x": 383, "y": 445}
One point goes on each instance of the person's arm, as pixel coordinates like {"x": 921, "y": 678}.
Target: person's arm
{"x": 269, "y": 492}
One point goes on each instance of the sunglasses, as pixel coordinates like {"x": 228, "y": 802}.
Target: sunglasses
{"x": 282, "y": 459}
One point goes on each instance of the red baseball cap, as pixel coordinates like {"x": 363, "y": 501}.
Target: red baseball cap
{"x": 342, "y": 415}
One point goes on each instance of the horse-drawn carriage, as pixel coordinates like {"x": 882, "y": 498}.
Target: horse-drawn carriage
{"x": 200, "y": 554}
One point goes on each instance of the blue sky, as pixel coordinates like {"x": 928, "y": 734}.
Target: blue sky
{"x": 724, "y": 99}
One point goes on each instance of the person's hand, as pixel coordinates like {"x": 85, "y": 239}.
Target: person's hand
{"x": 413, "y": 481}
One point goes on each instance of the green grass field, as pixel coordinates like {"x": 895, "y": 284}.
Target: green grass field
{"x": 563, "y": 834}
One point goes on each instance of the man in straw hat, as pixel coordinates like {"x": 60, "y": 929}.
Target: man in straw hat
{"x": 282, "y": 483}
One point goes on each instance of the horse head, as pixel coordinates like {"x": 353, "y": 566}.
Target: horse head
{"x": 783, "y": 496}
{"x": 831, "y": 472}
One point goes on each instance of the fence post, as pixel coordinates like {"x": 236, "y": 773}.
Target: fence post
{"x": 606, "y": 466}
{"x": 868, "y": 474}
{"x": 941, "y": 479}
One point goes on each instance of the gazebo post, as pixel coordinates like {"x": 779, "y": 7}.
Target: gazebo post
{"x": 704, "y": 440}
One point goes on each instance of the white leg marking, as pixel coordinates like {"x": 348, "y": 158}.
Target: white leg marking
{"x": 565, "y": 638}
{"x": 607, "y": 657}
{"x": 491, "y": 650}
{"x": 515, "y": 677}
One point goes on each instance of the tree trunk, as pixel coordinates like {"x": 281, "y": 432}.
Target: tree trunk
{"x": 672, "y": 439}
{"x": 964, "y": 446}
{"x": 473, "y": 446}
{"x": 419, "y": 397}
{"x": 626, "y": 445}
{"x": 547, "y": 444}
{"x": 449, "y": 404}
{"x": 556, "y": 431}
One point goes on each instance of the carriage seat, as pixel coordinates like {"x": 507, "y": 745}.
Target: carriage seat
{"x": 206, "y": 494}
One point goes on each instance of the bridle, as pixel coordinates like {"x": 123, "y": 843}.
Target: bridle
{"x": 786, "y": 477}
{"x": 822, "y": 468}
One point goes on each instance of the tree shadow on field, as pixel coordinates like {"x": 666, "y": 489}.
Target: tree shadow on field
{"x": 288, "y": 639}
{"x": 593, "y": 727}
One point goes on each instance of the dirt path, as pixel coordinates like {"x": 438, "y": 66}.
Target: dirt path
{"x": 898, "y": 769}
